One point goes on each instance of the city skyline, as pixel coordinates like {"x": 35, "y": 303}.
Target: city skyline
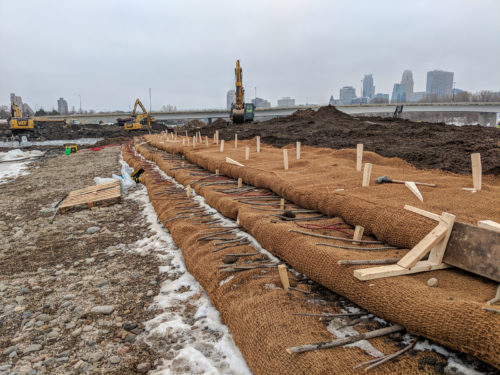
{"x": 285, "y": 49}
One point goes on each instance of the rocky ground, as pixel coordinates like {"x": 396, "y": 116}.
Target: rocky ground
{"x": 78, "y": 296}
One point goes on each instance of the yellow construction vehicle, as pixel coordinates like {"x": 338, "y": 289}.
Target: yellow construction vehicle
{"x": 137, "y": 120}
{"x": 17, "y": 121}
{"x": 240, "y": 111}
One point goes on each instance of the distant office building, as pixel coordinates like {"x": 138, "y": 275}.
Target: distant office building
{"x": 331, "y": 101}
{"x": 368, "y": 88}
{"x": 407, "y": 82}
{"x": 380, "y": 99}
{"x": 347, "y": 94}
{"x": 230, "y": 98}
{"x": 417, "y": 96}
{"x": 286, "y": 102}
{"x": 439, "y": 83}
{"x": 62, "y": 106}
{"x": 359, "y": 100}
{"x": 261, "y": 103}
{"x": 398, "y": 93}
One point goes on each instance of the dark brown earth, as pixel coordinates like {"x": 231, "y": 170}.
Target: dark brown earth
{"x": 425, "y": 145}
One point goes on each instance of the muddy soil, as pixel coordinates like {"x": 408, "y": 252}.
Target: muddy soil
{"x": 425, "y": 145}
{"x": 53, "y": 131}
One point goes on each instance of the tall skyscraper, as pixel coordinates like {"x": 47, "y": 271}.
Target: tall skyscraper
{"x": 439, "y": 83}
{"x": 368, "y": 88}
{"x": 17, "y": 100}
{"x": 407, "y": 82}
{"x": 62, "y": 106}
{"x": 230, "y": 98}
{"x": 398, "y": 93}
{"x": 347, "y": 94}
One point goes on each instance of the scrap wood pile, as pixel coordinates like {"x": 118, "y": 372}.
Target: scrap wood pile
{"x": 408, "y": 301}
{"x": 244, "y": 284}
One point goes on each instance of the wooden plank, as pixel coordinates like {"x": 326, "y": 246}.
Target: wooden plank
{"x": 474, "y": 249}
{"x": 437, "y": 253}
{"x": 419, "y": 211}
{"x": 489, "y": 224}
{"x": 424, "y": 246}
{"x": 231, "y": 161}
{"x": 395, "y": 270}
{"x": 90, "y": 196}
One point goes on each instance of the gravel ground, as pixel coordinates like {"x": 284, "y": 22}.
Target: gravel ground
{"x": 74, "y": 294}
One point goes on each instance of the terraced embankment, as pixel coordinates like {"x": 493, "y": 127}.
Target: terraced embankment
{"x": 452, "y": 314}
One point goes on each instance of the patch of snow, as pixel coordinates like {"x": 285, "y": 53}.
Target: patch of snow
{"x": 205, "y": 345}
{"x": 335, "y": 327}
{"x": 55, "y": 142}
{"x": 14, "y": 162}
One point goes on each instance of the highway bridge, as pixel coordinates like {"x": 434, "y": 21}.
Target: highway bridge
{"x": 487, "y": 112}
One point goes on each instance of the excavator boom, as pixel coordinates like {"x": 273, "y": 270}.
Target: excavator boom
{"x": 137, "y": 118}
{"x": 240, "y": 111}
{"x": 17, "y": 122}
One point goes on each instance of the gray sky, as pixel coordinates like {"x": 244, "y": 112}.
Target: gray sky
{"x": 111, "y": 52}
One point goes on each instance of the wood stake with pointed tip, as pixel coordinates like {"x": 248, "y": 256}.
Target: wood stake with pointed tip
{"x": 366, "y": 174}
{"x": 222, "y": 146}
{"x": 240, "y": 182}
{"x": 284, "y": 276}
{"x": 236, "y": 141}
{"x": 258, "y": 143}
{"x": 476, "y": 170}
{"x": 285, "y": 158}
{"x": 298, "y": 150}
{"x": 359, "y": 156}
{"x": 358, "y": 234}
{"x": 247, "y": 153}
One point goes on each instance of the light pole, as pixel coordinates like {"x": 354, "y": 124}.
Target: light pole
{"x": 150, "y": 99}
{"x": 453, "y": 92}
{"x": 80, "y": 103}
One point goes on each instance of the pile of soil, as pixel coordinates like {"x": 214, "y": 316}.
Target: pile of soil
{"x": 53, "y": 131}
{"x": 425, "y": 145}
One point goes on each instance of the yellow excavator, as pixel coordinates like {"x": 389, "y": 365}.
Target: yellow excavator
{"x": 17, "y": 121}
{"x": 137, "y": 120}
{"x": 240, "y": 111}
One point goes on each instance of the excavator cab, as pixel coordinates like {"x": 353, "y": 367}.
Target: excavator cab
{"x": 17, "y": 122}
{"x": 136, "y": 121}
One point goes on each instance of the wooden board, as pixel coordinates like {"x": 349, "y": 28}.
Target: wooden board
{"x": 474, "y": 249}
{"x": 101, "y": 194}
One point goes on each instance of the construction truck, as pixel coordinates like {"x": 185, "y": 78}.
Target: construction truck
{"x": 240, "y": 111}
{"x": 137, "y": 120}
{"x": 17, "y": 121}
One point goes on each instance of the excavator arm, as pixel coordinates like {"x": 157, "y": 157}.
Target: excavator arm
{"x": 144, "y": 115}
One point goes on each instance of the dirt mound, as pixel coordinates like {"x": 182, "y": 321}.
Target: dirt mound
{"x": 425, "y": 145}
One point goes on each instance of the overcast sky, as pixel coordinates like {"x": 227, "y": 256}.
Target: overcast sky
{"x": 111, "y": 52}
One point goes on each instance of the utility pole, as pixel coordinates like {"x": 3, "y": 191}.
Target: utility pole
{"x": 150, "y": 99}
{"x": 453, "y": 92}
{"x": 80, "y": 103}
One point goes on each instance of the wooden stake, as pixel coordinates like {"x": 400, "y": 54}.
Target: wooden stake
{"x": 240, "y": 182}
{"x": 194, "y": 141}
{"x": 358, "y": 234}
{"x": 216, "y": 172}
{"x": 183, "y": 141}
{"x": 414, "y": 189}
{"x": 284, "y": 276}
{"x": 476, "y": 170}
{"x": 206, "y": 141}
{"x": 489, "y": 224}
{"x": 298, "y": 150}
{"x": 258, "y": 143}
{"x": 366, "y": 174}
{"x": 359, "y": 156}
{"x": 247, "y": 153}
{"x": 222, "y": 146}
{"x": 285, "y": 158}
{"x": 188, "y": 190}
{"x": 236, "y": 141}
{"x": 231, "y": 161}
{"x": 282, "y": 204}
{"x": 345, "y": 340}
{"x": 217, "y": 137}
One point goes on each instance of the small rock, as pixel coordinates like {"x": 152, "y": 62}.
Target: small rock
{"x": 9, "y": 350}
{"x": 76, "y": 332}
{"x": 69, "y": 296}
{"x": 114, "y": 359}
{"x": 129, "y": 326}
{"x": 13, "y": 354}
{"x": 32, "y": 348}
{"x": 144, "y": 367}
{"x": 102, "y": 283}
{"x": 150, "y": 293}
{"x": 89, "y": 260}
{"x": 229, "y": 259}
{"x": 432, "y": 282}
{"x": 24, "y": 291}
{"x": 93, "y": 230}
{"x": 43, "y": 318}
{"x": 104, "y": 309}
{"x": 62, "y": 359}
{"x": 96, "y": 357}
{"x": 26, "y": 315}
{"x": 65, "y": 304}
{"x": 70, "y": 325}
{"x": 49, "y": 361}
{"x": 52, "y": 334}
{"x": 122, "y": 350}
{"x": 87, "y": 328}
